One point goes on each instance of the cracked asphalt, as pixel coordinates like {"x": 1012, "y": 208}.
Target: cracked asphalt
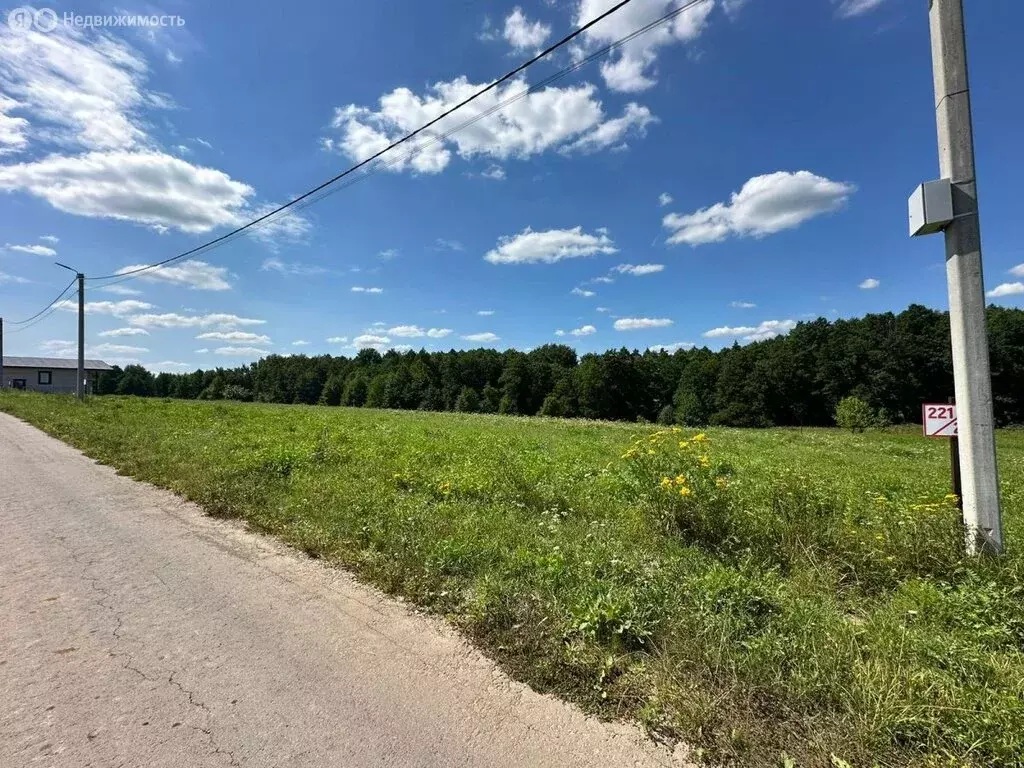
{"x": 135, "y": 631}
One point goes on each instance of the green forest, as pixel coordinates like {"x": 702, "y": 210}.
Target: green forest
{"x": 891, "y": 362}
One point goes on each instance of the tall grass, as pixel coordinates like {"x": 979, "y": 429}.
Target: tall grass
{"x": 774, "y": 597}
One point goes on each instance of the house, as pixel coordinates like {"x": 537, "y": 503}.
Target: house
{"x": 49, "y": 374}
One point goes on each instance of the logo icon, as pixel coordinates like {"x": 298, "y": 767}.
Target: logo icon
{"x": 21, "y": 19}
{"x": 24, "y": 19}
{"x": 46, "y": 20}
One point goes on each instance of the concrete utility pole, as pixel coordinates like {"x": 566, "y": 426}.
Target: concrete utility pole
{"x": 80, "y": 382}
{"x": 971, "y": 371}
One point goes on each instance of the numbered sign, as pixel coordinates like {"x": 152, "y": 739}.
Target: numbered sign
{"x": 939, "y": 420}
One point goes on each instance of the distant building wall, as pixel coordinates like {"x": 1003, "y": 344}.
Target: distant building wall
{"x": 62, "y": 380}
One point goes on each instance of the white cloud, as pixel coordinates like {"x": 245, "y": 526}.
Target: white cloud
{"x": 203, "y": 142}
{"x": 12, "y": 129}
{"x": 147, "y": 187}
{"x": 50, "y": 238}
{"x": 169, "y": 366}
{"x": 765, "y": 205}
{"x": 570, "y": 118}
{"x": 274, "y": 264}
{"x": 361, "y": 289}
{"x": 487, "y": 32}
{"x": 868, "y": 284}
{"x": 581, "y": 292}
{"x": 85, "y": 91}
{"x": 173, "y": 320}
{"x": 300, "y": 343}
{"x": 438, "y": 333}
{"x": 62, "y": 348}
{"x": 125, "y": 332}
{"x": 441, "y": 244}
{"x": 239, "y": 336}
{"x": 116, "y": 349}
{"x": 1017, "y": 271}
{"x": 523, "y": 34}
{"x": 613, "y": 133}
{"x": 482, "y": 337}
{"x": 337, "y": 340}
{"x": 370, "y": 341}
{"x": 1006, "y": 289}
{"x": 35, "y": 250}
{"x": 6, "y": 278}
{"x": 485, "y": 312}
{"x": 766, "y": 330}
{"x": 114, "y": 308}
{"x": 586, "y": 330}
{"x": 549, "y": 246}
{"x": 240, "y": 351}
{"x": 388, "y": 254}
{"x": 742, "y": 304}
{"x": 629, "y": 69}
{"x": 81, "y": 91}
{"x": 664, "y": 199}
{"x": 638, "y": 270}
{"x": 58, "y": 347}
{"x": 603, "y": 309}
{"x": 850, "y": 8}
{"x": 173, "y": 58}
{"x": 202, "y": 351}
{"x": 495, "y": 172}
{"x": 733, "y": 7}
{"x": 670, "y": 348}
{"x": 284, "y": 225}
{"x": 120, "y": 290}
{"x": 640, "y": 323}
{"x": 559, "y": 332}
{"x": 402, "y": 348}
{"x": 193, "y": 274}
{"x": 407, "y": 331}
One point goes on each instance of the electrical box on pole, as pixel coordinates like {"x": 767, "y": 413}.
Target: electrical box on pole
{"x": 931, "y": 207}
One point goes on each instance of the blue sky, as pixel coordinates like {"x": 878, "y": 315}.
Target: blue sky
{"x": 719, "y": 180}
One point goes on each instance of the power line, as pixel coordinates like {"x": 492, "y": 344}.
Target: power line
{"x": 370, "y": 167}
{"x": 297, "y": 201}
{"x": 37, "y": 314}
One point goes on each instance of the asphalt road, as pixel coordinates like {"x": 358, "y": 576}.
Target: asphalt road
{"x": 135, "y": 631}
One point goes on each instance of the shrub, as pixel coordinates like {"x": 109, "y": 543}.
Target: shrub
{"x": 854, "y": 414}
{"x": 237, "y": 392}
{"x": 667, "y": 415}
{"x": 468, "y": 402}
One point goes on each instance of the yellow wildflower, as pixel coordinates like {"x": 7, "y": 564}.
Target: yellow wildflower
{"x": 684, "y": 491}
{"x": 666, "y": 483}
{"x": 721, "y": 482}
{"x": 683, "y": 444}
{"x": 700, "y": 438}
{"x": 677, "y": 430}
{"x": 680, "y": 480}
{"x": 705, "y": 462}
{"x": 952, "y": 497}
{"x": 445, "y": 488}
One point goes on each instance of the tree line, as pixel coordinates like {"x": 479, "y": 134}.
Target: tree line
{"x": 893, "y": 362}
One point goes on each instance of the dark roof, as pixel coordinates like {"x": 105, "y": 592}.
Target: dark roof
{"x": 54, "y": 362}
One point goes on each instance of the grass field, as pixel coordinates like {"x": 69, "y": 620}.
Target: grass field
{"x": 774, "y": 597}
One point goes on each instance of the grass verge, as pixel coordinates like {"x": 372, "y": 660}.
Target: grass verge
{"x": 775, "y": 597}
